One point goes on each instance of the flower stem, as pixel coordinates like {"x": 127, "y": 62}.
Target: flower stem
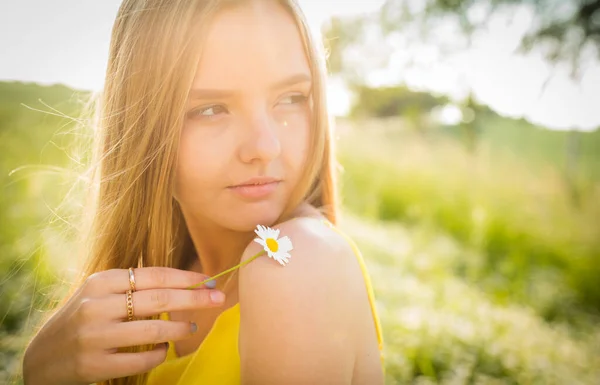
{"x": 228, "y": 270}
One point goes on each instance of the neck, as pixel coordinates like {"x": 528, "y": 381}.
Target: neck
{"x": 220, "y": 248}
{"x": 217, "y": 248}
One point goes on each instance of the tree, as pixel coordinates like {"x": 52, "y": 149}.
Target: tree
{"x": 567, "y": 30}
{"x": 564, "y": 28}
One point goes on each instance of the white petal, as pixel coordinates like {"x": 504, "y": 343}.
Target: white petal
{"x": 260, "y": 242}
{"x": 259, "y": 232}
{"x": 285, "y": 244}
{"x": 286, "y": 255}
{"x": 282, "y": 258}
{"x": 271, "y": 233}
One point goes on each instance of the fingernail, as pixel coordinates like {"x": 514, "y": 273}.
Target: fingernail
{"x": 193, "y": 327}
{"x": 211, "y": 284}
{"x": 217, "y": 296}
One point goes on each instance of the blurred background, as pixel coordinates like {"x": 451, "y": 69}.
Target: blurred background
{"x": 468, "y": 135}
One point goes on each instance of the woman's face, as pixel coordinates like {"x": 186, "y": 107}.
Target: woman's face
{"x": 247, "y": 125}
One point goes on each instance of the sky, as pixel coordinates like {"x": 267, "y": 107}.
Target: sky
{"x": 66, "y": 41}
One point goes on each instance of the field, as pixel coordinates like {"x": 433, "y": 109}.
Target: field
{"x": 484, "y": 268}
{"x": 484, "y": 263}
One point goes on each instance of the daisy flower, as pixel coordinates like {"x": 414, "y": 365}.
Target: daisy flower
{"x": 278, "y": 249}
{"x": 275, "y": 247}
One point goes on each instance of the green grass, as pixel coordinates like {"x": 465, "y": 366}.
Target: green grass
{"x": 534, "y": 246}
{"x": 483, "y": 266}
{"x": 34, "y": 151}
{"x": 440, "y": 329}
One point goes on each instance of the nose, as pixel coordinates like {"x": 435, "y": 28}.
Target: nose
{"x": 262, "y": 140}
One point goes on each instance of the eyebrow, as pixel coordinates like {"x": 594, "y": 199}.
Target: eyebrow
{"x": 205, "y": 93}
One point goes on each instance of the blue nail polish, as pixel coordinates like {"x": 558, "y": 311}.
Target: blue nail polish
{"x": 211, "y": 284}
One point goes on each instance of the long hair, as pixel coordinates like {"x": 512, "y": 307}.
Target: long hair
{"x": 154, "y": 52}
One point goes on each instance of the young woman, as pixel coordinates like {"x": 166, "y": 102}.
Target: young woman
{"x": 212, "y": 121}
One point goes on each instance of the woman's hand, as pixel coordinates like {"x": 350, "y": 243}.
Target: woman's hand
{"x": 78, "y": 344}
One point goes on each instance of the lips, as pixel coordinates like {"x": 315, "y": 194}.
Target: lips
{"x": 257, "y": 181}
{"x": 256, "y": 188}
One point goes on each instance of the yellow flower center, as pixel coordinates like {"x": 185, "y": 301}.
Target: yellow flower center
{"x": 272, "y": 244}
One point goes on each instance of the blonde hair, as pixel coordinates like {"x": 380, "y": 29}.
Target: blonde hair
{"x": 154, "y": 53}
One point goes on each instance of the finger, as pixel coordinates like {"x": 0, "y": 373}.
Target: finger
{"x": 156, "y": 301}
{"x": 135, "y": 333}
{"x": 127, "y": 364}
{"x": 117, "y": 280}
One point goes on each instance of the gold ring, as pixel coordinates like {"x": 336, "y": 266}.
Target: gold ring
{"x": 131, "y": 279}
{"x": 129, "y": 305}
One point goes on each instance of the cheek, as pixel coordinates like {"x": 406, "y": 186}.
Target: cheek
{"x": 197, "y": 166}
{"x": 295, "y": 141}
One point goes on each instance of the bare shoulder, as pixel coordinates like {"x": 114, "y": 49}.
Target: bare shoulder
{"x": 300, "y": 314}
{"x": 320, "y": 255}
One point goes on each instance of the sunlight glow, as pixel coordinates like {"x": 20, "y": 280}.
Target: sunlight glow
{"x": 509, "y": 83}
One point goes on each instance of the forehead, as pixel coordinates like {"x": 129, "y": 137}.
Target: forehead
{"x": 251, "y": 45}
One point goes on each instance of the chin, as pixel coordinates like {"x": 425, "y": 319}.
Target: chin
{"x": 247, "y": 221}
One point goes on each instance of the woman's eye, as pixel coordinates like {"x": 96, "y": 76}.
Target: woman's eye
{"x": 294, "y": 99}
{"x": 207, "y": 112}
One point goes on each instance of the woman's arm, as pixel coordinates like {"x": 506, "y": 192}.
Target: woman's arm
{"x": 296, "y": 322}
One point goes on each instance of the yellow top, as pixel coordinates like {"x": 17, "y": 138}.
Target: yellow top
{"x": 217, "y": 361}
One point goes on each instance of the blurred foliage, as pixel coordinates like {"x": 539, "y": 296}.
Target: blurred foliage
{"x": 383, "y": 102}
{"x": 566, "y": 26}
{"x": 33, "y": 181}
{"x": 485, "y": 270}
{"x": 440, "y": 329}
{"x": 342, "y": 33}
{"x": 492, "y": 278}
{"x": 566, "y": 31}
{"x": 508, "y": 203}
